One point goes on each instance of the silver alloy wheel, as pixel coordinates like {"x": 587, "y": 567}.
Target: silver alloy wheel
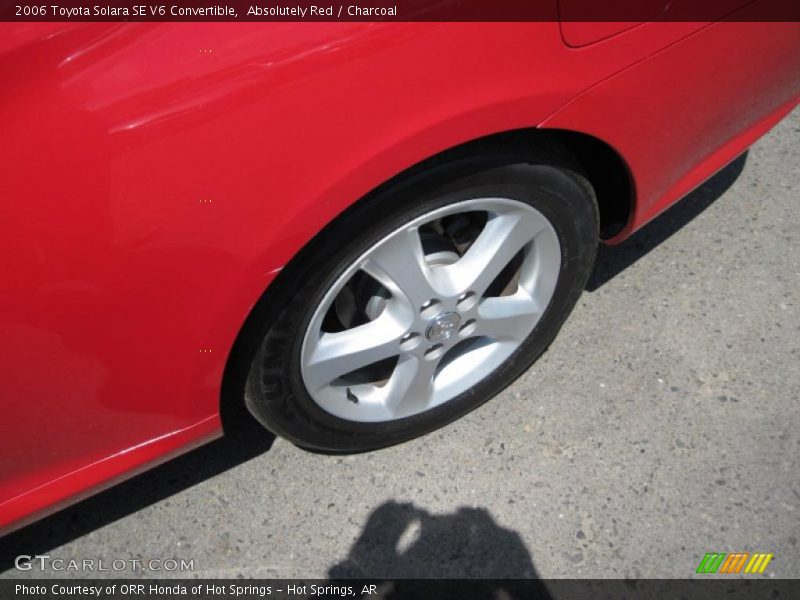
{"x": 435, "y": 325}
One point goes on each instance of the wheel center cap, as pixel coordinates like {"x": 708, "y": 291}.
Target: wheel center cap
{"x": 443, "y": 326}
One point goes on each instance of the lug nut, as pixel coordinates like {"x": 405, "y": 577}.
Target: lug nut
{"x": 429, "y": 308}
{"x": 467, "y": 328}
{"x": 466, "y": 300}
{"x": 434, "y": 352}
{"x": 410, "y": 341}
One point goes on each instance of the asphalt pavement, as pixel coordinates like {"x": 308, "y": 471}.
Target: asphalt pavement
{"x": 662, "y": 424}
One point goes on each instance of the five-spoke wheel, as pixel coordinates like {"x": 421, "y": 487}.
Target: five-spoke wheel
{"x": 452, "y": 294}
{"x": 422, "y": 302}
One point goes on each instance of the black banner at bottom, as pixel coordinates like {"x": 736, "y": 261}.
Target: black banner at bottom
{"x": 383, "y": 589}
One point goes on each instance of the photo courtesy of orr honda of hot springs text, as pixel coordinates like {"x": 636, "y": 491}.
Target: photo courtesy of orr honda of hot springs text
{"x": 234, "y": 590}
{"x": 354, "y": 232}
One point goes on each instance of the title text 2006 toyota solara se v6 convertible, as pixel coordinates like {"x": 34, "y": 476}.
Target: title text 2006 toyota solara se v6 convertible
{"x": 359, "y": 231}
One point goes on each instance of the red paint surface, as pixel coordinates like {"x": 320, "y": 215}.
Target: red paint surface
{"x": 154, "y": 178}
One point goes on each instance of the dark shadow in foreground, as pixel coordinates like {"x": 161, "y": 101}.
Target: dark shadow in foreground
{"x": 406, "y": 546}
{"x": 247, "y": 440}
{"x": 612, "y": 260}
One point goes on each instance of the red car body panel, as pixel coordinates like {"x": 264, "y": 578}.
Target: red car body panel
{"x": 156, "y": 178}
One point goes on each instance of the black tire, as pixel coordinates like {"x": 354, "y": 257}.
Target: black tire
{"x": 276, "y": 395}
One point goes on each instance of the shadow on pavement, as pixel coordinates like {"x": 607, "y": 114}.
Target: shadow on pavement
{"x": 401, "y": 546}
{"x": 612, "y": 260}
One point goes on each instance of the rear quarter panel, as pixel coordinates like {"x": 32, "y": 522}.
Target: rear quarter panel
{"x": 682, "y": 114}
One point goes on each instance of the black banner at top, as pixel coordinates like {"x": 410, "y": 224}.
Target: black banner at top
{"x": 400, "y": 10}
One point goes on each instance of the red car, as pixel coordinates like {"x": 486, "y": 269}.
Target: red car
{"x": 360, "y": 230}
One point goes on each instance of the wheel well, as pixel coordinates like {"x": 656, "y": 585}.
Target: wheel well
{"x": 605, "y": 169}
{"x": 608, "y": 173}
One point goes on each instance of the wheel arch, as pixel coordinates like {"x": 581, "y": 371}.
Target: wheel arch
{"x": 603, "y": 166}
{"x": 605, "y": 169}
{"x": 609, "y": 174}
